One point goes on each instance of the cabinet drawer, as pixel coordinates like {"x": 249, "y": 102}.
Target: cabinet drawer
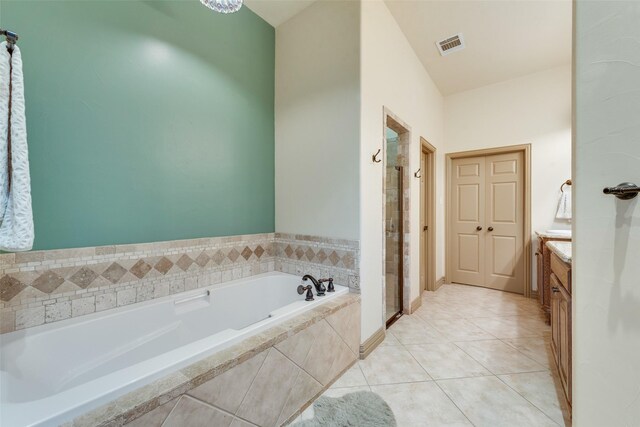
{"x": 562, "y": 271}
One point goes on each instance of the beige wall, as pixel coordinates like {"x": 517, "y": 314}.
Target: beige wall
{"x": 393, "y": 77}
{"x": 532, "y": 109}
{"x": 606, "y": 271}
{"x": 317, "y": 128}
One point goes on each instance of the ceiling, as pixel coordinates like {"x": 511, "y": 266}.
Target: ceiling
{"x": 275, "y": 12}
{"x": 504, "y": 39}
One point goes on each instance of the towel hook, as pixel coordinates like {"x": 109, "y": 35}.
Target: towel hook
{"x": 417, "y": 173}
{"x": 375, "y": 156}
{"x": 12, "y": 38}
{"x": 567, "y": 182}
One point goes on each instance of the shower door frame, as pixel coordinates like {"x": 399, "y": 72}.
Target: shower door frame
{"x": 403, "y": 130}
{"x": 400, "y": 312}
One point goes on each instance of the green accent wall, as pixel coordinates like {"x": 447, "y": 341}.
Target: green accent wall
{"x": 146, "y": 120}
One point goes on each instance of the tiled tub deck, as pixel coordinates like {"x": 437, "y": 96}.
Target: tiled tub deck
{"x": 266, "y": 380}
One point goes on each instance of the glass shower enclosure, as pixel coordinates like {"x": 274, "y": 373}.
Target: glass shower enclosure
{"x": 393, "y": 230}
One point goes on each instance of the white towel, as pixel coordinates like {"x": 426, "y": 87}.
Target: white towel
{"x": 564, "y": 205}
{"x": 16, "y": 216}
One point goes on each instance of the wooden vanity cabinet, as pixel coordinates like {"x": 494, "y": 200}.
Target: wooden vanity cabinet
{"x": 560, "y": 285}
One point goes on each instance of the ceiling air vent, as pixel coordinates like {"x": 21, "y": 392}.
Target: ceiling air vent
{"x": 450, "y": 44}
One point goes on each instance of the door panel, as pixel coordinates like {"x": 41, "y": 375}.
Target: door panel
{"x": 469, "y": 246}
{"x": 472, "y": 169}
{"x": 503, "y": 249}
{"x": 504, "y": 226}
{"x": 504, "y": 167}
{"x": 469, "y": 203}
{"x": 504, "y": 200}
{"x": 467, "y": 213}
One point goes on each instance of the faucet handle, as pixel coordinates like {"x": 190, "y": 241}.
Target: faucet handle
{"x": 330, "y": 287}
{"x": 301, "y": 289}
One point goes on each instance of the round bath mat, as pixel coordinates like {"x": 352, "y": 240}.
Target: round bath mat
{"x": 359, "y": 409}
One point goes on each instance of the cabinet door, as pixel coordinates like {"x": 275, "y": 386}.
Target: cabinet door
{"x": 564, "y": 320}
{"x": 555, "y": 318}
{"x": 540, "y": 276}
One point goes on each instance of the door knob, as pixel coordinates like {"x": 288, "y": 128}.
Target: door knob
{"x": 479, "y": 228}
{"x": 490, "y": 228}
{"x": 555, "y": 289}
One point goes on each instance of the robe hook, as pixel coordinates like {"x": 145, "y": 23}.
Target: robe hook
{"x": 375, "y": 156}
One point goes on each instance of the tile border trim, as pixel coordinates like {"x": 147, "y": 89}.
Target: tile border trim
{"x": 49, "y": 286}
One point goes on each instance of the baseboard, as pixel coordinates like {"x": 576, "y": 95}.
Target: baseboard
{"x": 416, "y": 303}
{"x": 372, "y": 342}
{"x": 439, "y": 282}
{"x": 533, "y": 294}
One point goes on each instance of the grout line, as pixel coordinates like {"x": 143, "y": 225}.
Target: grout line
{"x": 288, "y": 397}
{"x": 214, "y": 407}
{"x": 419, "y": 364}
{"x": 254, "y": 378}
{"x": 530, "y": 402}
{"x": 503, "y": 373}
{"x": 518, "y": 350}
{"x": 454, "y": 403}
{"x": 362, "y": 372}
{"x": 338, "y": 334}
{"x": 298, "y": 366}
{"x": 402, "y": 383}
{"x": 170, "y": 412}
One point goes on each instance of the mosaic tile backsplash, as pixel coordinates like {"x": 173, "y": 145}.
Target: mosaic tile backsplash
{"x": 48, "y": 286}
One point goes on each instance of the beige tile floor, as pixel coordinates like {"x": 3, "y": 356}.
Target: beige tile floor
{"x": 468, "y": 357}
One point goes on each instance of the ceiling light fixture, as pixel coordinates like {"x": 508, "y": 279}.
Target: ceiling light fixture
{"x": 223, "y": 6}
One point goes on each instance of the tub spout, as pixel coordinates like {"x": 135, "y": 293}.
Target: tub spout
{"x": 320, "y": 289}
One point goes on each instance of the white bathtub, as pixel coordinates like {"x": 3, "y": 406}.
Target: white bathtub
{"x": 52, "y": 373}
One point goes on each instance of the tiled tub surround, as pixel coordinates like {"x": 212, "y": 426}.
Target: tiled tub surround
{"x": 320, "y": 257}
{"x": 266, "y": 380}
{"x": 48, "y": 286}
{"x": 87, "y": 364}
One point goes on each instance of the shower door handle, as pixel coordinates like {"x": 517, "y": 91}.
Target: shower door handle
{"x": 623, "y": 191}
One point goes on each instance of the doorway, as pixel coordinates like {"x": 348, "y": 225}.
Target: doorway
{"x": 396, "y": 285}
{"x": 427, "y": 175}
{"x": 488, "y": 218}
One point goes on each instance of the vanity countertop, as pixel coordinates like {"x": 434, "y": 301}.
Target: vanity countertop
{"x": 562, "y": 249}
{"x": 554, "y": 234}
